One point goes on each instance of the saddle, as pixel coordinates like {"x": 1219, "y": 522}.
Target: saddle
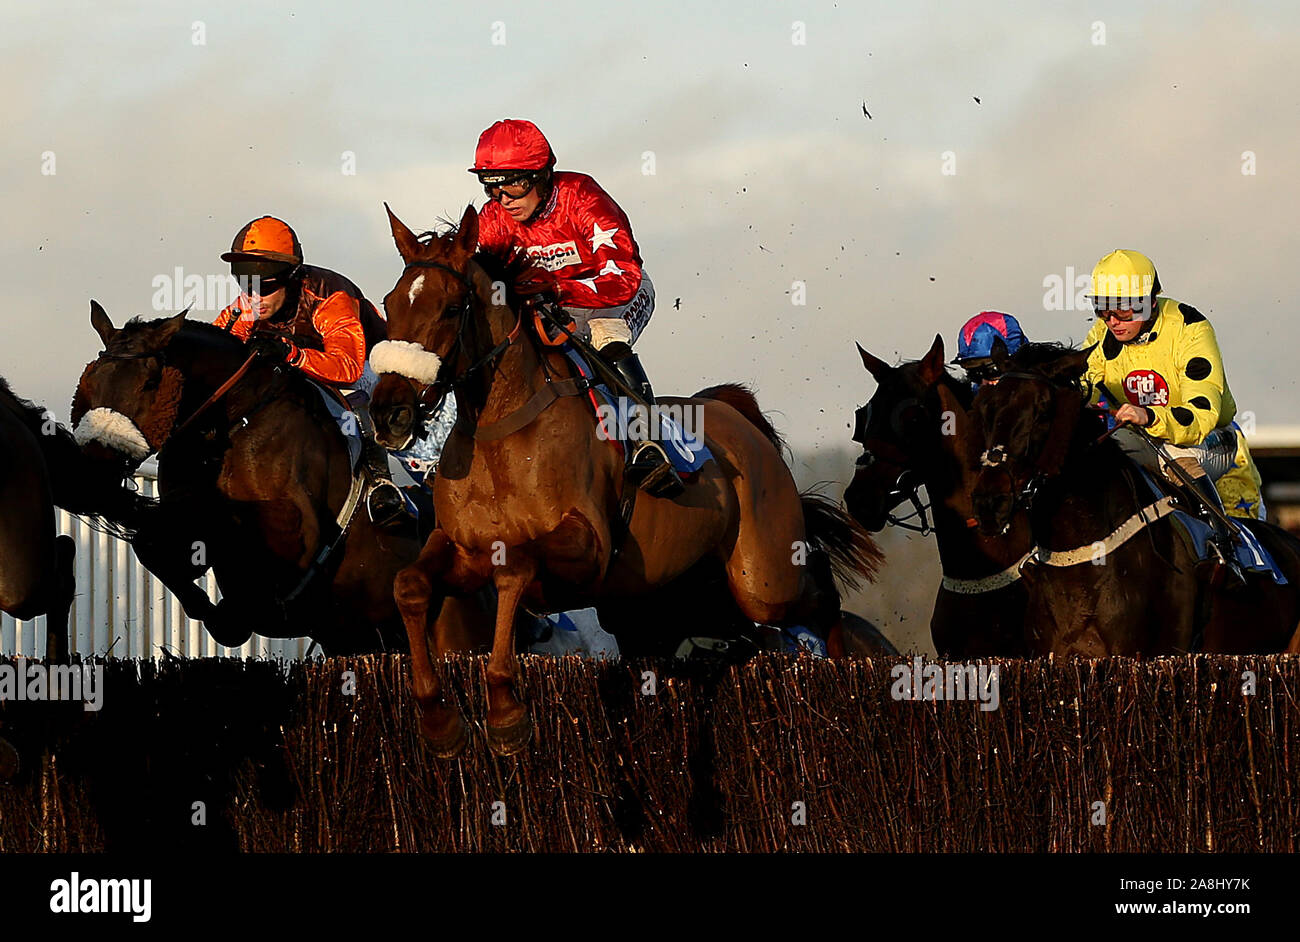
{"x": 1251, "y": 555}
{"x": 686, "y": 450}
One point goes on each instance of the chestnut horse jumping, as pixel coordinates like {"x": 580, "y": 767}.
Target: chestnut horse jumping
{"x": 537, "y": 511}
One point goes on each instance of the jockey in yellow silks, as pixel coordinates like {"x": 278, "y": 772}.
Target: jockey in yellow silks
{"x": 1158, "y": 362}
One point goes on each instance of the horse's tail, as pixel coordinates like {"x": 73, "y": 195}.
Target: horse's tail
{"x": 853, "y": 554}
{"x": 742, "y": 399}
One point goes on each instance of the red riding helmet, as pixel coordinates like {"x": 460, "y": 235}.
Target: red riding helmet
{"x": 511, "y": 145}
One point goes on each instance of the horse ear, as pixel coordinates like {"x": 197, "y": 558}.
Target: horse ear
{"x": 1068, "y": 367}
{"x": 932, "y": 363}
{"x": 100, "y": 321}
{"x": 877, "y": 368}
{"x": 408, "y": 246}
{"x": 466, "y": 235}
{"x": 998, "y": 352}
{"x": 170, "y": 327}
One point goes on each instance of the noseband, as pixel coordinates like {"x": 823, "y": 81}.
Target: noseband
{"x": 433, "y": 393}
{"x": 904, "y": 488}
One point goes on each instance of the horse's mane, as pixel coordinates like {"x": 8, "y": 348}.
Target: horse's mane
{"x": 209, "y": 336}
{"x": 962, "y": 390}
{"x": 26, "y": 411}
{"x": 1033, "y": 356}
{"x": 515, "y": 272}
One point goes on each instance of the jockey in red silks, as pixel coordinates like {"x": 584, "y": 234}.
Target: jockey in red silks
{"x": 568, "y": 226}
{"x": 315, "y": 320}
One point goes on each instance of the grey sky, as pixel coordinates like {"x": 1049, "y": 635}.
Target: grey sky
{"x": 164, "y": 148}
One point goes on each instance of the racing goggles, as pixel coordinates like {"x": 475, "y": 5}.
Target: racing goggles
{"x": 497, "y": 186}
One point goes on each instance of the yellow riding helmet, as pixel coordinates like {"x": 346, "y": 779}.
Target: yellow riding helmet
{"x": 1125, "y": 275}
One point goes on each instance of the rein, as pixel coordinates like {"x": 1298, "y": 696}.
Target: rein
{"x": 543, "y": 398}
{"x": 211, "y": 400}
{"x": 906, "y": 487}
{"x": 207, "y": 404}
{"x": 1051, "y": 462}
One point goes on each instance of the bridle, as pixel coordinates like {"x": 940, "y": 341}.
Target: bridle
{"x": 905, "y": 486}
{"x": 1051, "y": 460}
{"x": 177, "y": 430}
{"x": 464, "y": 310}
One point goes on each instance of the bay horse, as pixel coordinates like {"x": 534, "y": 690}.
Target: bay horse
{"x": 536, "y": 511}
{"x": 1111, "y": 575}
{"x": 41, "y": 467}
{"x": 252, "y": 487}
{"x": 917, "y": 429}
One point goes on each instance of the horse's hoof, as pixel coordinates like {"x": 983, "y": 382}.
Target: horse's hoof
{"x": 448, "y": 739}
{"x": 510, "y": 738}
{"x": 10, "y": 762}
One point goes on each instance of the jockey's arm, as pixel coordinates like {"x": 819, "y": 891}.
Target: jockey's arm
{"x": 615, "y": 273}
{"x": 1200, "y": 368}
{"x": 339, "y": 321}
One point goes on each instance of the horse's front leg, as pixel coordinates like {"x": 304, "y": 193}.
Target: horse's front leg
{"x": 508, "y": 725}
{"x": 57, "y": 634}
{"x": 413, "y": 590}
{"x": 170, "y": 555}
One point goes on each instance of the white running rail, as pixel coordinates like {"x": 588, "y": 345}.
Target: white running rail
{"x": 122, "y": 610}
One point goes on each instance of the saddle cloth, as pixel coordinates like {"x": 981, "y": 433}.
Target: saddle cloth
{"x": 1251, "y": 554}
{"x": 348, "y": 423}
{"x": 686, "y": 449}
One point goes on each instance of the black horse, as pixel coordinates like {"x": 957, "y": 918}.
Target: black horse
{"x": 917, "y": 430}
{"x": 1111, "y": 574}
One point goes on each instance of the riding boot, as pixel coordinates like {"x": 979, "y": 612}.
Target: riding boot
{"x": 1224, "y": 540}
{"x": 385, "y": 503}
{"x": 648, "y": 467}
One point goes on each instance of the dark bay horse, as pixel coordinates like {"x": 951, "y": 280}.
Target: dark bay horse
{"x": 253, "y": 488}
{"x": 917, "y": 429}
{"x": 41, "y": 467}
{"x": 1119, "y": 579}
{"x": 536, "y": 512}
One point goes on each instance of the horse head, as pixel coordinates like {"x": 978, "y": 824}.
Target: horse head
{"x": 432, "y": 327}
{"x": 1027, "y": 423}
{"x": 127, "y": 398}
{"x": 899, "y": 430}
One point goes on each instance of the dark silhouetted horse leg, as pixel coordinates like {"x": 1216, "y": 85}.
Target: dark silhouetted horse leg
{"x": 65, "y": 586}
{"x": 441, "y": 722}
{"x": 10, "y": 762}
{"x": 508, "y": 725}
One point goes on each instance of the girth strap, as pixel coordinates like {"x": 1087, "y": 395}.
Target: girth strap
{"x": 1117, "y": 538}
{"x": 538, "y": 403}
{"x": 999, "y": 580}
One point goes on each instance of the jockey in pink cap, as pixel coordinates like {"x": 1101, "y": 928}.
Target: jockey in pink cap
{"x": 975, "y": 344}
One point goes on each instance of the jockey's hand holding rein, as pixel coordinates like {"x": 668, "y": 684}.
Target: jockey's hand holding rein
{"x": 1134, "y": 415}
{"x": 274, "y": 349}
